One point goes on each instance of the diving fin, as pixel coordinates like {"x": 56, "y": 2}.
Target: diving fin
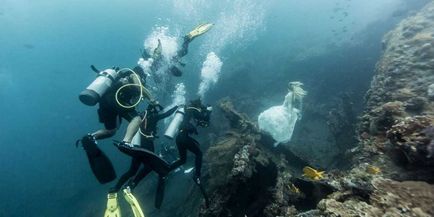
{"x": 135, "y": 206}
{"x": 100, "y": 164}
{"x": 199, "y": 30}
{"x": 113, "y": 209}
{"x": 160, "y": 192}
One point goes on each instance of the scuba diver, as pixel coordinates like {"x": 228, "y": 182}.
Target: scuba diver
{"x": 199, "y": 113}
{"x": 156, "y": 58}
{"x": 144, "y": 154}
{"x": 141, "y": 155}
{"x": 117, "y": 91}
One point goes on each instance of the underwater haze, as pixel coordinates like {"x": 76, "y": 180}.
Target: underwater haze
{"x": 251, "y": 53}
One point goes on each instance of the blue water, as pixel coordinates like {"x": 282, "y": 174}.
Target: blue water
{"x": 47, "y": 46}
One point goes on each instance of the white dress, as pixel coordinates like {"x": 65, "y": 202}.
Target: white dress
{"x": 279, "y": 121}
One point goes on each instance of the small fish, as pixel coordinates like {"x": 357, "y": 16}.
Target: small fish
{"x": 373, "y": 170}
{"x": 312, "y": 173}
{"x": 294, "y": 189}
{"x": 29, "y": 46}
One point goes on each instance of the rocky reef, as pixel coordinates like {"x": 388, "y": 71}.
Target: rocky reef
{"x": 391, "y": 171}
{"x": 399, "y": 115}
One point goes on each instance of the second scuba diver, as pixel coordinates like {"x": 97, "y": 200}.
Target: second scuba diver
{"x": 201, "y": 114}
{"x": 144, "y": 155}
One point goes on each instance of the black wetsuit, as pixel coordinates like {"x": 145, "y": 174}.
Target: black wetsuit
{"x": 144, "y": 155}
{"x": 185, "y": 142}
{"x": 110, "y": 112}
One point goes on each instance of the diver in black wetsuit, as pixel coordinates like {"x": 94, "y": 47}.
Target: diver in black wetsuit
{"x": 201, "y": 114}
{"x": 144, "y": 154}
{"x": 114, "y": 105}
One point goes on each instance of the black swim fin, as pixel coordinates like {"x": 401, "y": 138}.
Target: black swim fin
{"x": 157, "y": 164}
{"x": 160, "y": 192}
{"x": 100, "y": 164}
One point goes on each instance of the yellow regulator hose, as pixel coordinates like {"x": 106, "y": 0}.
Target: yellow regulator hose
{"x": 129, "y": 85}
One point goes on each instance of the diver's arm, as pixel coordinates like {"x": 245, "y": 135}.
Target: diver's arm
{"x": 167, "y": 113}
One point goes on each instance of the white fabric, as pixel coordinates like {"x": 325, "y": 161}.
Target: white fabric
{"x": 279, "y": 121}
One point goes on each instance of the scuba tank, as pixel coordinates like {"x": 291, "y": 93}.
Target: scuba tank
{"x": 173, "y": 127}
{"x": 104, "y": 80}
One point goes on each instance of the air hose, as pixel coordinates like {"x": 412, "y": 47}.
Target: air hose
{"x": 130, "y": 85}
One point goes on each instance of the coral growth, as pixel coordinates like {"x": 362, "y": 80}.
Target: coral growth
{"x": 409, "y": 137}
{"x": 391, "y": 171}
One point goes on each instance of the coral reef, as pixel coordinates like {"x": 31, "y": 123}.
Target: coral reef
{"x": 246, "y": 177}
{"x": 391, "y": 170}
{"x": 395, "y": 126}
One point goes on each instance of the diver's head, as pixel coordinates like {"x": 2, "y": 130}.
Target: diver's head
{"x": 293, "y": 84}
{"x": 202, "y": 117}
{"x": 297, "y": 88}
{"x": 205, "y": 116}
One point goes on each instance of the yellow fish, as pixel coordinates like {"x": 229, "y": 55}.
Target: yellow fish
{"x": 294, "y": 189}
{"x": 312, "y": 173}
{"x": 373, "y": 170}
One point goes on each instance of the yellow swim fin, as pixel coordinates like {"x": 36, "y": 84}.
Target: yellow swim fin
{"x": 135, "y": 206}
{"x": 113, "y": 209}
{"x": 199, "y": 30}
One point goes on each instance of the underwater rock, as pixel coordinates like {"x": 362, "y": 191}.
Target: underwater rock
{"x": 399, "y": 102}
{"x": 408, "y": 136}
{"x": 247, "y": 175}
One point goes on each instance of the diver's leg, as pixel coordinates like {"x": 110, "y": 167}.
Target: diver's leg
{"x": 184, "y": 48}
{"x": 100, "y": 164}
{"x": 142, "y": 174}
{"x": 182, "y": 150}
{"x": 160, "y": 191}
{"x": 135, "y": 164}
{"x": 132, "y": 128}
{"x": 103, "y": 134}
{"x": 133, "y": 117}
{"x": 109, "y": 118}
{"x": 193, "y": 146}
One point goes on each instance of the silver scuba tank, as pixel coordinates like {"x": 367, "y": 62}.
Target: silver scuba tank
{"x": 173, "y": 127}
{"x": 92, "y": 94}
